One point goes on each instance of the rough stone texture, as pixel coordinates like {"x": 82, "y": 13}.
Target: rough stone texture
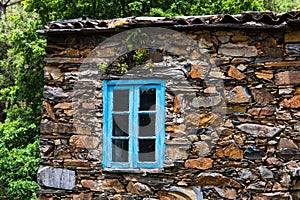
{"x": 232, "y": 115}
{"x": 56, "y": 178}
{"x": 287, "y": 77}
{"x": 84, "y": 141}
{"x": 199, "y": 163}
{"x": 262, "y": 97}
{"x": 101, "y": 186}
{"x": 138, "y": 188}
{"x": 260, "y": 130}
{"x": 292, "y": 36}
{"x": 238, "y": 95}
{"x": 206, "y": 101}
{"x": 237, "y": 50}
{"x": 235, "y": 73}
{"x": 231, "y": 151}
{"x": 292, "y": 103}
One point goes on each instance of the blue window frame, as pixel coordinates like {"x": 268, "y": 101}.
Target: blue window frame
{"x": 133, "y": 123}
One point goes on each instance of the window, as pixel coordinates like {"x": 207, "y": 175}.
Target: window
{"x": 133, "y": 123}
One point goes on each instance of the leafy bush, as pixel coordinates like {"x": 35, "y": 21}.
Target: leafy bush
{"x": 21, "y": 86}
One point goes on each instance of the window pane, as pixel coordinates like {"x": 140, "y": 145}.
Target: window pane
{"x": 120, "y": 125}
{"x": 147, "y": 150}
{"x": 121, "y": 100}
{"x": 120, "y": 150}
{"x": 146, "y": 125}
{"x": 147, "y": 98}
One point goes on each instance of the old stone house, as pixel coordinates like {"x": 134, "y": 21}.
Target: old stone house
{"x": 172, "y": 108}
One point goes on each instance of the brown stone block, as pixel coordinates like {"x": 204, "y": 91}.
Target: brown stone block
{"x": 293, "y": 36}
{"x": 231, "y": 151}
{"x": 235, "y": 73}
{"x": 45, "y": 197}
{"x": 240, "y": 50}
{"x": 262, "y": 97}
{"x": 181, "y": 127}
{"x": 282, "y": 64}
{"x": 138, "y": 188}
{"x": 103, "y": 185}
{"x": 264, "y": 75}
{"x": 88, "y": 142}
{"x": 204, "y": 120}
{"x": 239, "y": 38}
{"x": 83, "y": 196}
{"x": 64, "y": 106}
{"x": 198, "y": 71}
{"x": 292, "y": 103}
{"x": 236, "y": 109}
{"x": 288, "y": 77}
{"x": 199, "y": 163}
{"x": 54, "y": 73}
{"x": 76, "y": 163}
{"x": 178, "y": 101}
{"x": 238, "y": 94}
{"x": 215, "y": 179}
{"x": 49, "y": 109}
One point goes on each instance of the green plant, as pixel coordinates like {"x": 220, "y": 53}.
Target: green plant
{"x": 103, "y": 66}
{"x": 140, "y": 56}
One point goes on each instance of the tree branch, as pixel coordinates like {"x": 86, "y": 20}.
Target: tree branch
{"x": 13, "y": 3}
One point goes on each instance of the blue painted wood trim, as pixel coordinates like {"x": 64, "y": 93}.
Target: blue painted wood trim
{"x": 133, "y": 86}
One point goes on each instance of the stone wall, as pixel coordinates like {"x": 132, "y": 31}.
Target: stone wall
{"x": 232, "y": 117}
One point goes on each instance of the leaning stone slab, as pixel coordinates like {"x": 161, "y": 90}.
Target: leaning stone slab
{"x": 56, "y": 178}
{"x": 260, "y": 130}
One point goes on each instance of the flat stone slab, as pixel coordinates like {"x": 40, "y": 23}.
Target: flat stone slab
{"x": 260, "y": 130}
{"x": 56, "y": 178}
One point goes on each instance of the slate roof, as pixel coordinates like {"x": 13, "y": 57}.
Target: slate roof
{"x": 245, "y": 20}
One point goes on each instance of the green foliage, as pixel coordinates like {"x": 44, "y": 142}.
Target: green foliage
{"x": 50, "y": 10}
{"x": 282, "y": 5}
{"x": 140, "y": 56}
{"x": 21, "y": 86}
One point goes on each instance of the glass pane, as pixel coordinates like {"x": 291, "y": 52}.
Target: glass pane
{"x": 120, "y": 150}
{"x": 147, "y": 98}
{"x": 120, "y": 125}
{"x": 147, "y": 150}
{"x": 121, "y": 100}
{"x": 146, "y": 125}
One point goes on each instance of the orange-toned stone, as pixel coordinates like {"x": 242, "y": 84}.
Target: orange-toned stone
{"x": 199, "y": 163}
{"x": 83, "y": 196}
{"x": 238, "y": 95}
{"x": 181, "y": 127}
{"x": 49, "y": 109}
{"x": 264, "y": 75}
{"x": 282, "y": 64}
{"x": 297, "y": 91}
{"x": 204, "y": 120}
{"x": 138, "y": 188}
{"x": 235, "y": 73}
{"x": 177, "y": 103}
{"x": 292, "y": 103}
{"x": 64, "y": 106}
{"x": 197, "y": 71}
{"x": 80, "y": 141}
{"x": 231, "y": 151}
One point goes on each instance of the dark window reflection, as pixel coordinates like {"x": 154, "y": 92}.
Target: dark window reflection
{"x": 147, "y": 99}
{"x": 120, "y": 150}
{"x": 120, "y": 125}
{"x": 146, "y": 125}
{"x": 121, "y": 100}
{"x": 147, "y": 150}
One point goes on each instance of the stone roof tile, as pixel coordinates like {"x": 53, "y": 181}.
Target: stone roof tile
{"x": 246, "y": 19}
